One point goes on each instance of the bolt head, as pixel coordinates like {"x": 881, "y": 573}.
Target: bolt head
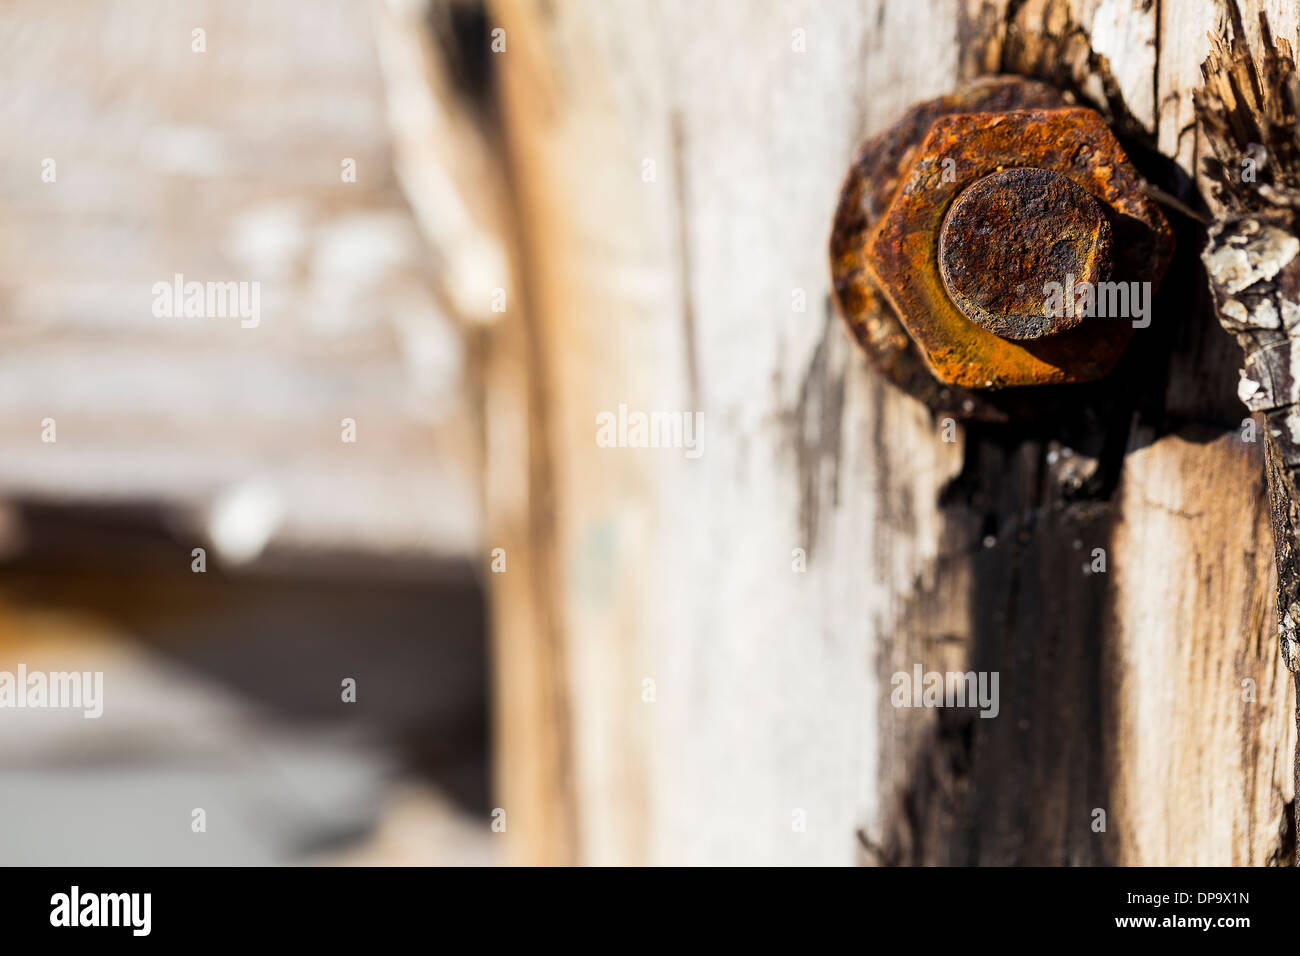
{"x": 1012, "y": 234}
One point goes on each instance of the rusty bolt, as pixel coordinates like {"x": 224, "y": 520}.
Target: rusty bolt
{"x": 952, "y": 224}
{"x": 1008, "y": 236}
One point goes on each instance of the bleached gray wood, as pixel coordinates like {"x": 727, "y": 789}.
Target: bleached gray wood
{"x": 771, "y": 685}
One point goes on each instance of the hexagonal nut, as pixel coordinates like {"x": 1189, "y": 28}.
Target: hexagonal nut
{"x": 871, "y": 181}
{"x": 902, "y": 251}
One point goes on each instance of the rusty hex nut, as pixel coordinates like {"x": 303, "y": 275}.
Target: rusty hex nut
{"x": 904, "y": 257}
{"x": 972, "y": 214}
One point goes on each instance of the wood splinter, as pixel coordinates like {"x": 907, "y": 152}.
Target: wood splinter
{"x": 1249, "y": 113}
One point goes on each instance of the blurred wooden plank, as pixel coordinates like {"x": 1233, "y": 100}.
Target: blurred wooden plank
{"x": 224, "y": 165}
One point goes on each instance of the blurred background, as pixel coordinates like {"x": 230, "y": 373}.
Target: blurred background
{"x": 256, "y": 149}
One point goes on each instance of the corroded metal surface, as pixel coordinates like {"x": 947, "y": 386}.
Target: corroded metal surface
{"x": 1011, "y": 234}
{"x": 870, "y": 183}
{"x": 885, "y": 256}
{"x": 902, "y": 252}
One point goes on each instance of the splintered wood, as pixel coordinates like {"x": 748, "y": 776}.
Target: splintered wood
{"x": 1248, "y": 110}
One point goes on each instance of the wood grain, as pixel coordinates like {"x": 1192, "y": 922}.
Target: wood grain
{"x": 1121, "y": 690}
